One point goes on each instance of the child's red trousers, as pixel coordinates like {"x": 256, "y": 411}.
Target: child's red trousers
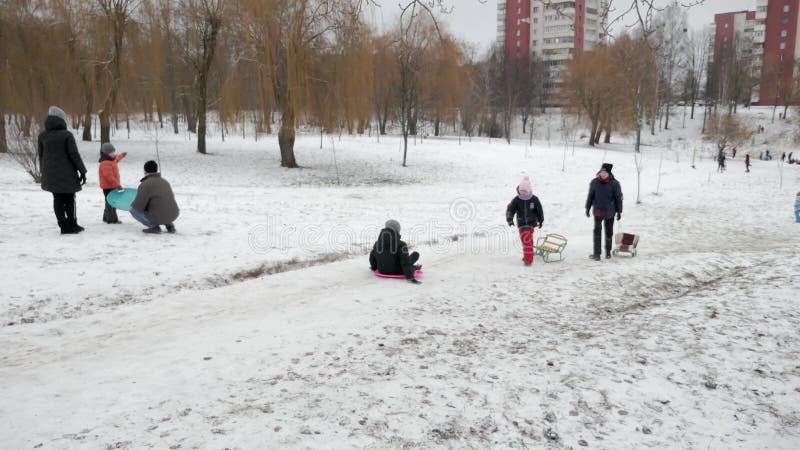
{"x": 526, "y": 236}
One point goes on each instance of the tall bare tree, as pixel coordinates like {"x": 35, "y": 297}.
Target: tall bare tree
{"x": 117, "y": 14}
{"x": 202, "y": 21}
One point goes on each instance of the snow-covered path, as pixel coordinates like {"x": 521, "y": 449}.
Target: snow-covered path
{"x": 706, "y": 356}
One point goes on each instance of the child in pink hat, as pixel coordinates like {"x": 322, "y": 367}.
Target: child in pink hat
{"x": 528, "y": 210}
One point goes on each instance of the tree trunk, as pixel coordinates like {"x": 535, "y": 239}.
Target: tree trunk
{"x": 666, "y": 120}
{"x": 436, "y": 126}
{"x": 191, "y": 116}
{"x": 592, "y": 133}
{"x": 201, "y": 114}
{"x": 105, "y": 122}
{"x": 3, "y": 140}
{"x": 785, "y": 110}
{"x": 382, "y": 126}
{"x": 286, "y": 137}
{"x": 607, "y": 140}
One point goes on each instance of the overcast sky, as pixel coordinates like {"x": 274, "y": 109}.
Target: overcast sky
{"x": 475, "y": 21}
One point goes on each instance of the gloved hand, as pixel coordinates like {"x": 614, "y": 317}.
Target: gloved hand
{"x": 82, "y": 178}
{"x": 540, "y": 225}
{"x": 124, "y": 153}
{"x": 587, "y": 213}
{"x": 619, "y": 216}
{"x": 414, "y": 281}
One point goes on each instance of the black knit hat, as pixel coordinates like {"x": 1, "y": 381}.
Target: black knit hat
{"x": 607, "y": 167}
{"x": 151, "y": 167}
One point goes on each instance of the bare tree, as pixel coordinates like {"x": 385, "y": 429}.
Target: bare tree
{"x": 726, "y": 130}
{"x": 24, "y": 150}
{"x": 202, "y": 23}
{"x": 117, "y": 14}
{"x": 696, "y": 63}
{"x": 417, "y": 31}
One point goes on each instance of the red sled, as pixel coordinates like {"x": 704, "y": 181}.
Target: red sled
{"x": 417, "y": 274}
{"x": 626, "y": 243}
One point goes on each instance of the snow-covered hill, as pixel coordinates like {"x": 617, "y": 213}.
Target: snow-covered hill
{"x": 115, "y": 339}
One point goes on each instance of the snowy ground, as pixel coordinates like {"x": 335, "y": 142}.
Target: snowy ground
{"x": 114, "y": 339}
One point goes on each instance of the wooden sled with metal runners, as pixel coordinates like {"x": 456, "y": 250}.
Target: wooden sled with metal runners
{"x": 549, "y": 246}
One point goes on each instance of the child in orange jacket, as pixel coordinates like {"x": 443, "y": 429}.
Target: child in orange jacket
{"x": 109, "y": 178}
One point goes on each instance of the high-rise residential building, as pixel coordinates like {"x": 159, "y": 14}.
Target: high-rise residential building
{"x": 553, "y": 32}
{"x": 733, "y": 47}
{"x": 767, "y": 39}
{"x": 777, "y": 39}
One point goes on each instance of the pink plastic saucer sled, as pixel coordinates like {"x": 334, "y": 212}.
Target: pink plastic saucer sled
{"x": 417, "y": 274}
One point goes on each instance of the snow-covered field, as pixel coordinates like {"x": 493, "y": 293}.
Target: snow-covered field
{"x": 258, "y": 325}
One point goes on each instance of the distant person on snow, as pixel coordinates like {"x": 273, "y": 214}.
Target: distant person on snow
{"x": 605, "y": 196}
{"x": 109, "y": 178}
{"x": 791, "y": 161}
{"x": 528, "y": 210}
{"x": 733, "y": 153}
{"x": 721, "y": 161}
{"x": 390, "y": 256}
{"x": 747, "y": 162}
{"x": 783, "y": 157}
{"x": 155, "y": 204}
{"x": 63, "y": 172}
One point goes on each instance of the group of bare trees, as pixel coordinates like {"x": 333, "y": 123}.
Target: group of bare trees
{"x": 266, "y": 63}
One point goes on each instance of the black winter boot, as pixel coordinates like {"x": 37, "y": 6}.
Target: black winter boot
{"x": 66, "y": 228}
{"x": 75, "y": 227}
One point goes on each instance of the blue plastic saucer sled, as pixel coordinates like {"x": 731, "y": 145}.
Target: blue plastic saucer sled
{"x": 122, "y": 198}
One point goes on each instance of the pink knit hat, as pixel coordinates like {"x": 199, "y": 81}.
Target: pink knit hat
{"x": 525, "y": 185}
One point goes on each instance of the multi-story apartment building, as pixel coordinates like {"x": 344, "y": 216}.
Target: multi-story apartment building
{"x": 778, "y": 43}
{"x": 767, "y": 39}
{"x": 553, "y": 32}
{"x": 733, "y": 46}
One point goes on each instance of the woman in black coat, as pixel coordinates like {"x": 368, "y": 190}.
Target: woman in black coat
{"x": 63, "y": 172}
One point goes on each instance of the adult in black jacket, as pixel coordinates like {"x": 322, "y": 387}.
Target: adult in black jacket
{"x": 390, "y": 256}
{"x": 528, "y": 210}
{"x": 63, "y": 172}
{"x": 605, "y": 196}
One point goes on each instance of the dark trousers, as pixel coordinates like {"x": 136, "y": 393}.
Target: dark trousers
{"x": 64, "y": 207}
{"x": 598, "y": 225}
{"x": 413, "y": 257}
{"x": 110, "y": 213}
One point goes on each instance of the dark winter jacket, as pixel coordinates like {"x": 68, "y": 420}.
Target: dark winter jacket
{"x": 529, "y": 212}
{"x": 156, "y": 200}
{"x": 60, "y": 162}
{"x": 606, "y": 198}
{"x": 389, "y": 255}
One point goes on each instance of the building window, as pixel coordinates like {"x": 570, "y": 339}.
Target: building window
{"x": 786, "y": 8}
{"x": 785, "y": 20}
{"x": 517, "y": 32}
{"x": 517, "y": 43}
{"x": 726, "y": 25}
{"x": 534, "y": 43}
{"x": 783, "y": 46}
{"x": 784, "y": 33}
{"x": 535, "y": 9}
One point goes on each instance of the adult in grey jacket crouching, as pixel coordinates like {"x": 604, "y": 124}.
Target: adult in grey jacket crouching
{"x": 155, "y": 204}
